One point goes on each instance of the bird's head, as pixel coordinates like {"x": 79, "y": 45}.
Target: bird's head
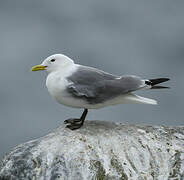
{"x": 53, "y": 63}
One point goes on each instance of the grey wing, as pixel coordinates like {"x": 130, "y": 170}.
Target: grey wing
{"x": 130, "y": 83}
{"x": 98, "y": 88}
{"x": 87, "y": 75}
{"x": 85, "y": 83}
{"x": 108, "y": 89}
{"x": 82, "y": 91}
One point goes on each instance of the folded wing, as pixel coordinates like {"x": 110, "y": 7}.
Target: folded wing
{"x": 96, "y": 86}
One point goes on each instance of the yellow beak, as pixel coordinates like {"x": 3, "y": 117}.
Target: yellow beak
{"x": 38, "y": 68}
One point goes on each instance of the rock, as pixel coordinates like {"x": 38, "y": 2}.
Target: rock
{"x": 99, "y": 150}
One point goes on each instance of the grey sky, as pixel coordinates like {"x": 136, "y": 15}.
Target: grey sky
{"x": 144, "y": 38}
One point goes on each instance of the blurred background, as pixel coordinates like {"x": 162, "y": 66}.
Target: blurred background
{"x": 144, "y": 38}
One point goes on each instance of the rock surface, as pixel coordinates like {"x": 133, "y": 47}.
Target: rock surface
{"x": 99, "y": 150}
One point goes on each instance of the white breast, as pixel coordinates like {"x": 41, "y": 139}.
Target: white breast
{"x": 57, "y": 82}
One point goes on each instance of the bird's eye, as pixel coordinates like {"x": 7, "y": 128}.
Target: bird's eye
{"x": 52, "y": 60}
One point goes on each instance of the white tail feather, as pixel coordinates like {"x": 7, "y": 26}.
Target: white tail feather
{"x": 133, "y": 98}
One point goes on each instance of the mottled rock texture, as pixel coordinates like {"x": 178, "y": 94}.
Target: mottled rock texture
{"x": 99, "y": 151}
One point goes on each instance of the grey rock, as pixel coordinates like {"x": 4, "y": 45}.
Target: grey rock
{"x": 99, "y": 150}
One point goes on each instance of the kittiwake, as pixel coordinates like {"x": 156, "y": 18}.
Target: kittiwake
{"x": 86, "y": 87}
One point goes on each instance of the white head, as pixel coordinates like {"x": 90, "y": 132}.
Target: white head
{"x": 53, "y": 63}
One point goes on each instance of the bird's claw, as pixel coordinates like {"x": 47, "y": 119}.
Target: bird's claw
{"x": 73, "y": 126}
{"x": 72, "y": 121}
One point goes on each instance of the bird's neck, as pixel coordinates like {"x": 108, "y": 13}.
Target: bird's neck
{"x": 64, "y": 71}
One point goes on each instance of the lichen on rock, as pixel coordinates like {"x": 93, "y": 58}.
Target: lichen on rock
{"x": 99, "y": 151}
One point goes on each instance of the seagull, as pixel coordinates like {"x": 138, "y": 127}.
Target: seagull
{"x": 86, "y": 87}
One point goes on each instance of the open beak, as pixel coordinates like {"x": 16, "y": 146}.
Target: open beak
{"x": 38, "y": 68}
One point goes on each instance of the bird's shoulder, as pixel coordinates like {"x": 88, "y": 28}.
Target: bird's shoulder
{"x": 88, "y": 75}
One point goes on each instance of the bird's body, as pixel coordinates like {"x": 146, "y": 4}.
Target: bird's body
{"x": 90, "y": 88}
{"x": 62, "y": 86}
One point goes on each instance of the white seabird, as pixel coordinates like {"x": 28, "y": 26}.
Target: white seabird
{"x": 85, "y": 87}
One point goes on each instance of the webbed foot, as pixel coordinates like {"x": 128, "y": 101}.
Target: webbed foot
{"x": 74, "y": 126}
{"x": 75, "y": 123}
{"x": 72, "y": 121}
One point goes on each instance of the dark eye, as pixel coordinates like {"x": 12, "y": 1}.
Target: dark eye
{"x": 52, "y": 60}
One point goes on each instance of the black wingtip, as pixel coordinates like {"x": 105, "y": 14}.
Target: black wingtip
{"x": 154, "y": 82}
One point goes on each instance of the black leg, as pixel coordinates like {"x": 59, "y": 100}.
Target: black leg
{"x": 83, "y": 117}
{"x": 76, "y": 123}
